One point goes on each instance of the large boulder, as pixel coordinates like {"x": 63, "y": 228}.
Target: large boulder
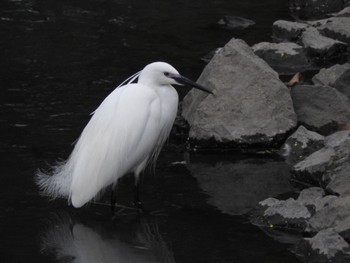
{"x": 251, "y": 106}
{"x": 286, "y": 58}
{"x": 320, "y": 108}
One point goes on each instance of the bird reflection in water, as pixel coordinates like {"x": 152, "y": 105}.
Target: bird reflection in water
{"x": 79, "y": 243}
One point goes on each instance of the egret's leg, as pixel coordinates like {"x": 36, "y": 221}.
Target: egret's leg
{"x": 113, "y": 198}
{"x": 137, "y": 201}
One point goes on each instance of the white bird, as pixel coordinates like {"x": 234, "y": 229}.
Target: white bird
{"x": 125, "y": 133}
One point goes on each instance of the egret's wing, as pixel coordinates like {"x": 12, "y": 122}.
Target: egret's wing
{"x": 121, "y": 134}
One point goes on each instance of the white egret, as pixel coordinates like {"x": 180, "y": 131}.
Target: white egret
{"x": 125, "y": 133}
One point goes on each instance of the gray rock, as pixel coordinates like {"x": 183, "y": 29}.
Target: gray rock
{"x": 251, "y": 105}
{"x": 325, "y": 246}
{"x": 340, "y": 182}
{"x": 301, "y": 144}
{"x": 235, "y": 22}
{"x": 331, "y": 215}
{"x": 206, "y": 58}
{"x": 343, "y": 13}
{"x": 322, "y": 166}
{"x": 312, "y": 168}
{"x": 336, "y": 139}
{"x": 320, "y": 108}
{"x": 285, "y": 58}
{"x": 323, "y": 50}
{"x": 314, "y": 9}
{"x": 337, "y": 76}
{"x": 310, "y": 196}
{"x": 283, "y": 30}
{"x": 327, "y": 200}
{"x": 289, "y": 209}
{"x": 337, "y": 28}
{"x": 329, "y": 76}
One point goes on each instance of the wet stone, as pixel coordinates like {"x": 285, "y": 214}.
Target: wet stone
{"x": 325, "y": 246}
{"x": 235, "y": 22}
{"x": 301, "y": 144}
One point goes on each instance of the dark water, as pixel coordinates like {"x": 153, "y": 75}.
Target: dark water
{"x": 59, "y": 59}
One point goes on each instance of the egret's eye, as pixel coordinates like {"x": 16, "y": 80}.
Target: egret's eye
{"x": 167, "y": 74}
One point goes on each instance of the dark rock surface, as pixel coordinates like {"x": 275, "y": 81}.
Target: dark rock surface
{"x": 286, "y": 58}
{"x": 320, "y": 108}
{"x": 250, "y": 105}
{"x": 301, "y": 144}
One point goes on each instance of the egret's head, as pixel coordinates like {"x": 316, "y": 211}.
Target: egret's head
{"x": 161, "y": 73}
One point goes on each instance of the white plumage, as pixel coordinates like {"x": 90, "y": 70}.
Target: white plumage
{"x": 125, "y": 133}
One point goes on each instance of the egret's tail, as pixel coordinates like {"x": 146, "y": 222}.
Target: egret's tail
{"x": 56, "y": 183}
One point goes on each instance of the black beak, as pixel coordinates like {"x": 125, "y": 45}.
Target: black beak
{"x": 185, "y": 81}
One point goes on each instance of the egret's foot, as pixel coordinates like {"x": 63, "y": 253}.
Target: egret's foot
{"x": 138, "y": 205}
{"x": 142, "y": 211}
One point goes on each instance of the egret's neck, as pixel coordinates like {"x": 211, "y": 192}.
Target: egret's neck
{"x": 146, "y": 80}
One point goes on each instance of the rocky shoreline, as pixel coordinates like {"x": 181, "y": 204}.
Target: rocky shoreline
{"x": 308, "y": 122}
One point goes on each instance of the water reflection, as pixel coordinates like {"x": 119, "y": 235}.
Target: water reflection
{"x": 105, "y": 242}
{"x": 236, "y": 185}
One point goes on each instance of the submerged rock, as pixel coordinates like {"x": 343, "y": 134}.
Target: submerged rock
{"x": 285, "y": 58}
{"x": 320, "y": 108}
{"x": 301, "y": 144}
{"x": 251, "y": 106}
{"x": 235, "y": 22}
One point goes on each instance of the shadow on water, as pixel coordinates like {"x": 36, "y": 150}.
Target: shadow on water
{"x": 236, "y": 183}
